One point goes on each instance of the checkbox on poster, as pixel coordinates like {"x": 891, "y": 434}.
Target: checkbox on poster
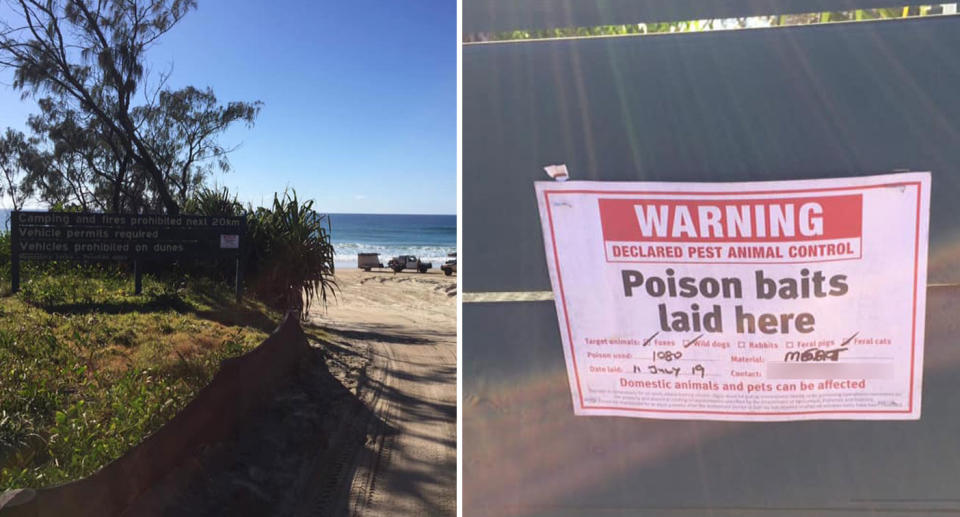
{"x": 741, "y": 344}
{"x": 789, "y": 344}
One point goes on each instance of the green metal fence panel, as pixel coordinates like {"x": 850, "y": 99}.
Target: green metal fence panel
{"x": 790, "y": 103}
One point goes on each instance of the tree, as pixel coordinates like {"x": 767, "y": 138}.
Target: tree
{"x": 84, "y": 166}
{"x": 89, "y": 56}
{"x": 63, "y": 177}
{"x": 182, "y": 127}
{"x": 18, "y": 156}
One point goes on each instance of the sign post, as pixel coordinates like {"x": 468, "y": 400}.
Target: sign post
{"x": 764, "y": 301}
{"x": 137, "y": 278}
{"x": 14, "y": 251}
{"x": 238, "y": 282}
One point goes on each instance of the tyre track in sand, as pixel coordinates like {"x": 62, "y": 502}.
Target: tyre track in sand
{"x": 407, "y": 322}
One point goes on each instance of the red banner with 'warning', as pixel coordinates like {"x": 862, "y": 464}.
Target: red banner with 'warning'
{"x": 732, "y": 220}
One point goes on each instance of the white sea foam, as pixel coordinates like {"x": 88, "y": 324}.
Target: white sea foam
{"x": 346, "y": 253}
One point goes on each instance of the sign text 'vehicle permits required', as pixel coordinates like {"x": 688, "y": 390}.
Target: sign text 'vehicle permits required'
{"x": 762, "y": 301}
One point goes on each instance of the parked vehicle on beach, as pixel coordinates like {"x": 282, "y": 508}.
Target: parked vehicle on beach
{"x": 368, "y": 261}
{"x": 450, "y": 266}
{"x": 398, "y": 264}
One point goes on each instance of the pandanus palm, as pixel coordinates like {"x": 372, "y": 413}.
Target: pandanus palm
{"x": 296, "y": 262}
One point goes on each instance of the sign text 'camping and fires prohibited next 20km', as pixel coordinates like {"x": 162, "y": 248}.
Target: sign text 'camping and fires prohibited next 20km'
{"x": 764, "y": 301}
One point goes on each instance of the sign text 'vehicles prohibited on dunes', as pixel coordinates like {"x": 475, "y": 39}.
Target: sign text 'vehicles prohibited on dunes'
{"x": 789, "y": 300}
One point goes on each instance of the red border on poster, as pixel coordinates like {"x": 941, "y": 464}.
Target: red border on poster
{"x": 913, "y": 335}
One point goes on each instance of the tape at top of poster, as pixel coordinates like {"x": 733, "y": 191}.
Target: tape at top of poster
{"x": 759, "y": 301}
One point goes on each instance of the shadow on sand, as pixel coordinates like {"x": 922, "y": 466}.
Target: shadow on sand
{"x": 293, "y": 456}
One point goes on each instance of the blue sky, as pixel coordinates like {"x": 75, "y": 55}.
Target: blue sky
{"x": 359, "y": 98}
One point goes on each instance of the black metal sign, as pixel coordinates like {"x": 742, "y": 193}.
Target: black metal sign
{"x": 124, "y": 237}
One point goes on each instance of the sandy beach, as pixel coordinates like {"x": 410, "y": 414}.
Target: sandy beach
{"x": 411, "y": 302}
{"x": 365, "y": 426}
{"x": 405, "y": 325}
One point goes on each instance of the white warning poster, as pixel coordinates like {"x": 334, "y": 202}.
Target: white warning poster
{"x": 764, "y": 301}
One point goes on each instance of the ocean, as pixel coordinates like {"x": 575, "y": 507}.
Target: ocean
{"x": 430, "y": 237}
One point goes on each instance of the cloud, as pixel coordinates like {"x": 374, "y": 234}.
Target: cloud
{"x": 360, "y": 197}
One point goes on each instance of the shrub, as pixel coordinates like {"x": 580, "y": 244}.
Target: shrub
{"x": 213, "y": 202}
{"x": 291, "y": 256}
{"x": 84, "y": 382}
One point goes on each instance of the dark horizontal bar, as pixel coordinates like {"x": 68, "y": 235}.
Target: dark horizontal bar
{"x": 506, "y": 15}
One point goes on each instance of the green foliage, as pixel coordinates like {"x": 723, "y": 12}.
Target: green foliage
{"x": 291, "y": 257}
{"x": 90, "y": 375}
{"x": 57, "y": 285}
{"x": 213, "y": 202}
{"x": 705, "y": 25}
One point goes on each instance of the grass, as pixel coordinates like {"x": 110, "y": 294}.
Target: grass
{"x": 88, "y": 369}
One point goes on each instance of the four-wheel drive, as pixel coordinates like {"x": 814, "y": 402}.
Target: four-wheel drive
{"x": 398, "y": 264}
{"x": 450, "y": 267}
